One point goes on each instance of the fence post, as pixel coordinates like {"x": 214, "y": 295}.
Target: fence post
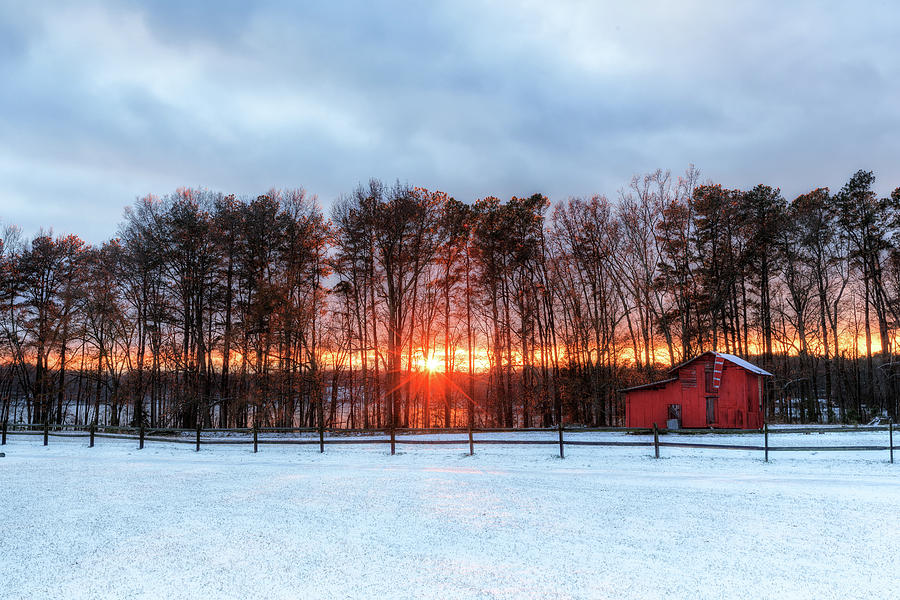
{"x": 891, "y": 439}
{"x": 141, "y": 446}
{"x": 46, "y": 429}
{"x": 655, "y": 441}
{"x": 562, "y": 453}
{"x": 471, "y": 441}
{"x": 5, "y": 424}
{"x": 766, "y": 437}
{"x": 255, "y": 438}
{"x": 199, "y": 426}
{"x": 393, "y": 438}
{"x": 320, "y": 414}
{"x": 93, "y": 429}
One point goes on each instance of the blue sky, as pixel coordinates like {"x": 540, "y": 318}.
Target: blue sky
{"x": 103, "y": 102}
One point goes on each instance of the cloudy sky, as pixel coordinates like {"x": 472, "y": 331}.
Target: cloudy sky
{"x": 105, "y": 101}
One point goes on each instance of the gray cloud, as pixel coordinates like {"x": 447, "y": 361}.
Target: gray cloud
{"x": 104, "y": 101}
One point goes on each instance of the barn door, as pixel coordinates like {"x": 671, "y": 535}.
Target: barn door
{"x": 710, "y": 410}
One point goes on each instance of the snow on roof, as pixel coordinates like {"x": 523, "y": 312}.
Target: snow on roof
{"x": 743, "y": 363}
{"x": 737, "y": 360}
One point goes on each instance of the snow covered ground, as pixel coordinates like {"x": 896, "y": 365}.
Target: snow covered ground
{"x": 510, "y": 522}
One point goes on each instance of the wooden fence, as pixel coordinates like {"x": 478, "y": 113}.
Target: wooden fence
{"x": 366, "y": 436}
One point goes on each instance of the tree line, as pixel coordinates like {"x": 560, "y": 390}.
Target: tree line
{"x": 403, "y": 306}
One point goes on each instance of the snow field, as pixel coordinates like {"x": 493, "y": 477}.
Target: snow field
{"x": 510, "y": 522}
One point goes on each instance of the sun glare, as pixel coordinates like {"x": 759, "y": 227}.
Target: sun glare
{"x": 432, "y": 364}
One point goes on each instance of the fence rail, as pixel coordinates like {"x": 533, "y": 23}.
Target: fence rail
{"x": 368, "y": 436}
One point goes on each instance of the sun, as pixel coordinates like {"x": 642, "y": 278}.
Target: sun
{"x": 432, "y": 364}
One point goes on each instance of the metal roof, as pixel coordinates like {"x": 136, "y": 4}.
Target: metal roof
{"x": 650, "y": 385}
{"x": 736, "y": 360}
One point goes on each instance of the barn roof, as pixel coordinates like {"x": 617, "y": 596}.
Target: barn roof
{"x": 737, "y": 360}
{"x": 652, "y": 384}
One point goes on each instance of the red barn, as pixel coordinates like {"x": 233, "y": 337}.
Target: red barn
{"x": 710, "y": 390}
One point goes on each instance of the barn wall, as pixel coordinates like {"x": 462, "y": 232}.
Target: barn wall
{"x": 693, "y": 407}
{"x": 646, "y": 407}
